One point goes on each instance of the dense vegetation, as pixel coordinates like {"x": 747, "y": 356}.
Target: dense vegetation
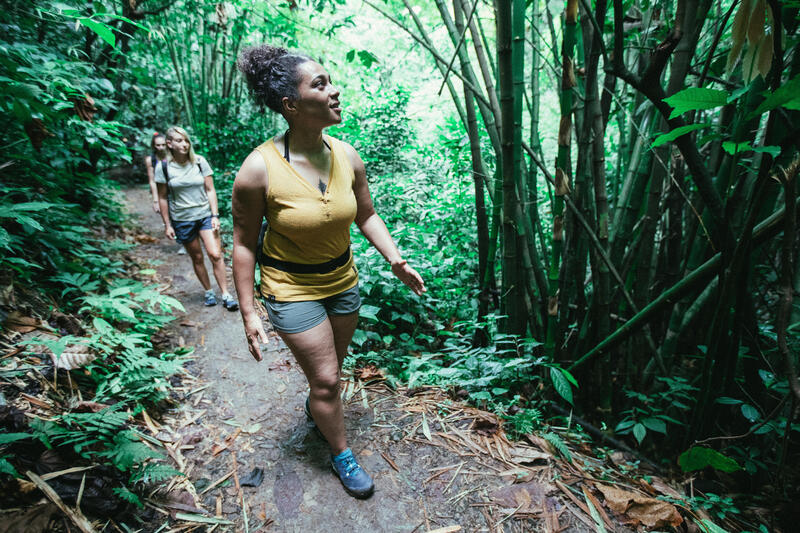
{"x": 603, "y": 202}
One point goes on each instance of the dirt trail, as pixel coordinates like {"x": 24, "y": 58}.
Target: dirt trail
{"x": 231, "y": 392}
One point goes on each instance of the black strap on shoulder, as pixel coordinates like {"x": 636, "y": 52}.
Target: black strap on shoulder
{"x": 286, "y": 146}
{"x": 153, "y": 161}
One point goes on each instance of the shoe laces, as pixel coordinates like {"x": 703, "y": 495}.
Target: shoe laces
{"x": 349, "y": 465}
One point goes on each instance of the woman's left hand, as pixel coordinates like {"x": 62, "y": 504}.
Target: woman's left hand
{"x": 215, "y": 223}
{"x": 409, "y": 276}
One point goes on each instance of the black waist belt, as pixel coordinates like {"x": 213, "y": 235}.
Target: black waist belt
{"x": 301, "y": 268}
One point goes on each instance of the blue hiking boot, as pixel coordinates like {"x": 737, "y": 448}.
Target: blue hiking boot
{"x": 355, "y": 480}
{"x": 210, "y": 299}
{"x": 229, "y": 302}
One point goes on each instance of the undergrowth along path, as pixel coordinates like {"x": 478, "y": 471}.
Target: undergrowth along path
{"x": 252, "y": 462}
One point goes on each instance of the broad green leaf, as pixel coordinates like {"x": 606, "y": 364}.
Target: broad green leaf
{"x": 367, "y": 58}
{"x": 700, "y": 457}
{"x": 102, "y": 30}
{"x": 639, "y": 431}
{"x": 655, "y": 424}
{"x": 735, "y": 148}
{"x": 370, "y": 312}
{"x": 774, "y": 151}
{"x": 8, "y": 468}
{"x": 695, "y": 98}
{"x": 750, "y": 412}
{"x": 677, "y": 132}
{"x": 625, "y": 424}
{"x": 787, "y": 95}
{"x": 560, "y": 383}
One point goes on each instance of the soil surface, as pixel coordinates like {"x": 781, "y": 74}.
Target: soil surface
{"x": 433, "y": 462}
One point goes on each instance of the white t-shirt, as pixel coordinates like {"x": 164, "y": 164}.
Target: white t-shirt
{"x": 187, "y": 196}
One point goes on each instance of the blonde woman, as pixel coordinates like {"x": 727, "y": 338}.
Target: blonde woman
{"x": 188, "y": 205}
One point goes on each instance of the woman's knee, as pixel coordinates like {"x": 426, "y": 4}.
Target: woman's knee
{"x": 214, "y": 255}
{"x": 325, "y": 387}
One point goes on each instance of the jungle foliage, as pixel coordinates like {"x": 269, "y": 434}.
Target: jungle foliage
{"x": 603, "y": 205}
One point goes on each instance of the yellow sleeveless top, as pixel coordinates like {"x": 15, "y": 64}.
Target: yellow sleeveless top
{"x": 307, "y": 226}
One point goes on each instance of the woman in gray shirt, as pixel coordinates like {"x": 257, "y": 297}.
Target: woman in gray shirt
{"x": 188, "y": 205}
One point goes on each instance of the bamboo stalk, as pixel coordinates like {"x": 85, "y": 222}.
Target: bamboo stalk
{"x": 767, "y": 229}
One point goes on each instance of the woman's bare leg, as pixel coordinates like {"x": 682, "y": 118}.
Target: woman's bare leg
{"x": 196, "y": 253}
{"x": 315, "y": 350}
{"x": 343, "y": 328}
{"x": 214, "y": 250}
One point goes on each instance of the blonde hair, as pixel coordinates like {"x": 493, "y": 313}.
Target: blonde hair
{"x": 177, "y": 130}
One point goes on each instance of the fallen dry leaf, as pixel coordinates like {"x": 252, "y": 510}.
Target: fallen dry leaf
{"x": 369, "y": 373}
{"x": 641, "y": 509}
{"x": 524, "y": 454}
{"x": 144, "y": 238}
{"x": 529, "y": 496}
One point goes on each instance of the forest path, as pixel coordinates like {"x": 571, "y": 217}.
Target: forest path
{"x": 257, "y": 410}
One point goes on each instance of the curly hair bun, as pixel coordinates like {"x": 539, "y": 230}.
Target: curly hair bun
{"x": 271, "y": 74}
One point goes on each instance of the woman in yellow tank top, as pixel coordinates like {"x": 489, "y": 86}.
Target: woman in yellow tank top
{"x": 311, "y": 188}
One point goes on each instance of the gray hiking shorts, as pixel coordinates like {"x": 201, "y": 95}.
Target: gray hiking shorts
{"x": 296, "y": 317}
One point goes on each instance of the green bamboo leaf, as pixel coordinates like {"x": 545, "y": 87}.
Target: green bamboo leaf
{"x": 695, "y": 98}
{"x": 710, "y": 527}
{"x": 560, "y": 383}
{"x": 677, "y": 132}
{"x": 102, "y": 30}
{"x": 425, "y": 429}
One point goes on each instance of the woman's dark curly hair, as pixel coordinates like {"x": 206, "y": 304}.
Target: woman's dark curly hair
{"x": 271, "y": 74}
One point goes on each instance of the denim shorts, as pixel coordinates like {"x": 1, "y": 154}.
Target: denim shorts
{"x": 187, "y": 231}
{"x": 296, "y": 317}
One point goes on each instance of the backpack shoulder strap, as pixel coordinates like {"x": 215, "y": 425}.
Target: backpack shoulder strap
{"x": 164, "y": 165}
{"x": 153, "y": 161}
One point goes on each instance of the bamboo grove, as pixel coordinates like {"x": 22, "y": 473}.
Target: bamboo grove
{"x": 644, "y": 239}
{"x": 657, "y": 243}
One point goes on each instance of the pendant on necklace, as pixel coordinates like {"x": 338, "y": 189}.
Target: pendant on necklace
{"x": 322, "y": 186}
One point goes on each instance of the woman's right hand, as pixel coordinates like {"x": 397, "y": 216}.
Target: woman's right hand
{"x": 254, "y": 331}
{"x": 169, "y": 231}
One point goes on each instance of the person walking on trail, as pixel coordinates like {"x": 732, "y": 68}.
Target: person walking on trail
{"x": 158, "y": 154}
{"x": 188, "y": 206}
{"x": 310, "y": 187}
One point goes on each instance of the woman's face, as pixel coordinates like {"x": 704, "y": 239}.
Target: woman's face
{"x": 318, "y": 97}
{"x": 160, "y": 144}
{"x": 178, "y": 143}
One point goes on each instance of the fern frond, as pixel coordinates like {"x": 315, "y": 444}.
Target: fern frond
{"x": 154, "y": 473}
{"x": 126, "y": 494}
{"x": 558, "y": 444}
